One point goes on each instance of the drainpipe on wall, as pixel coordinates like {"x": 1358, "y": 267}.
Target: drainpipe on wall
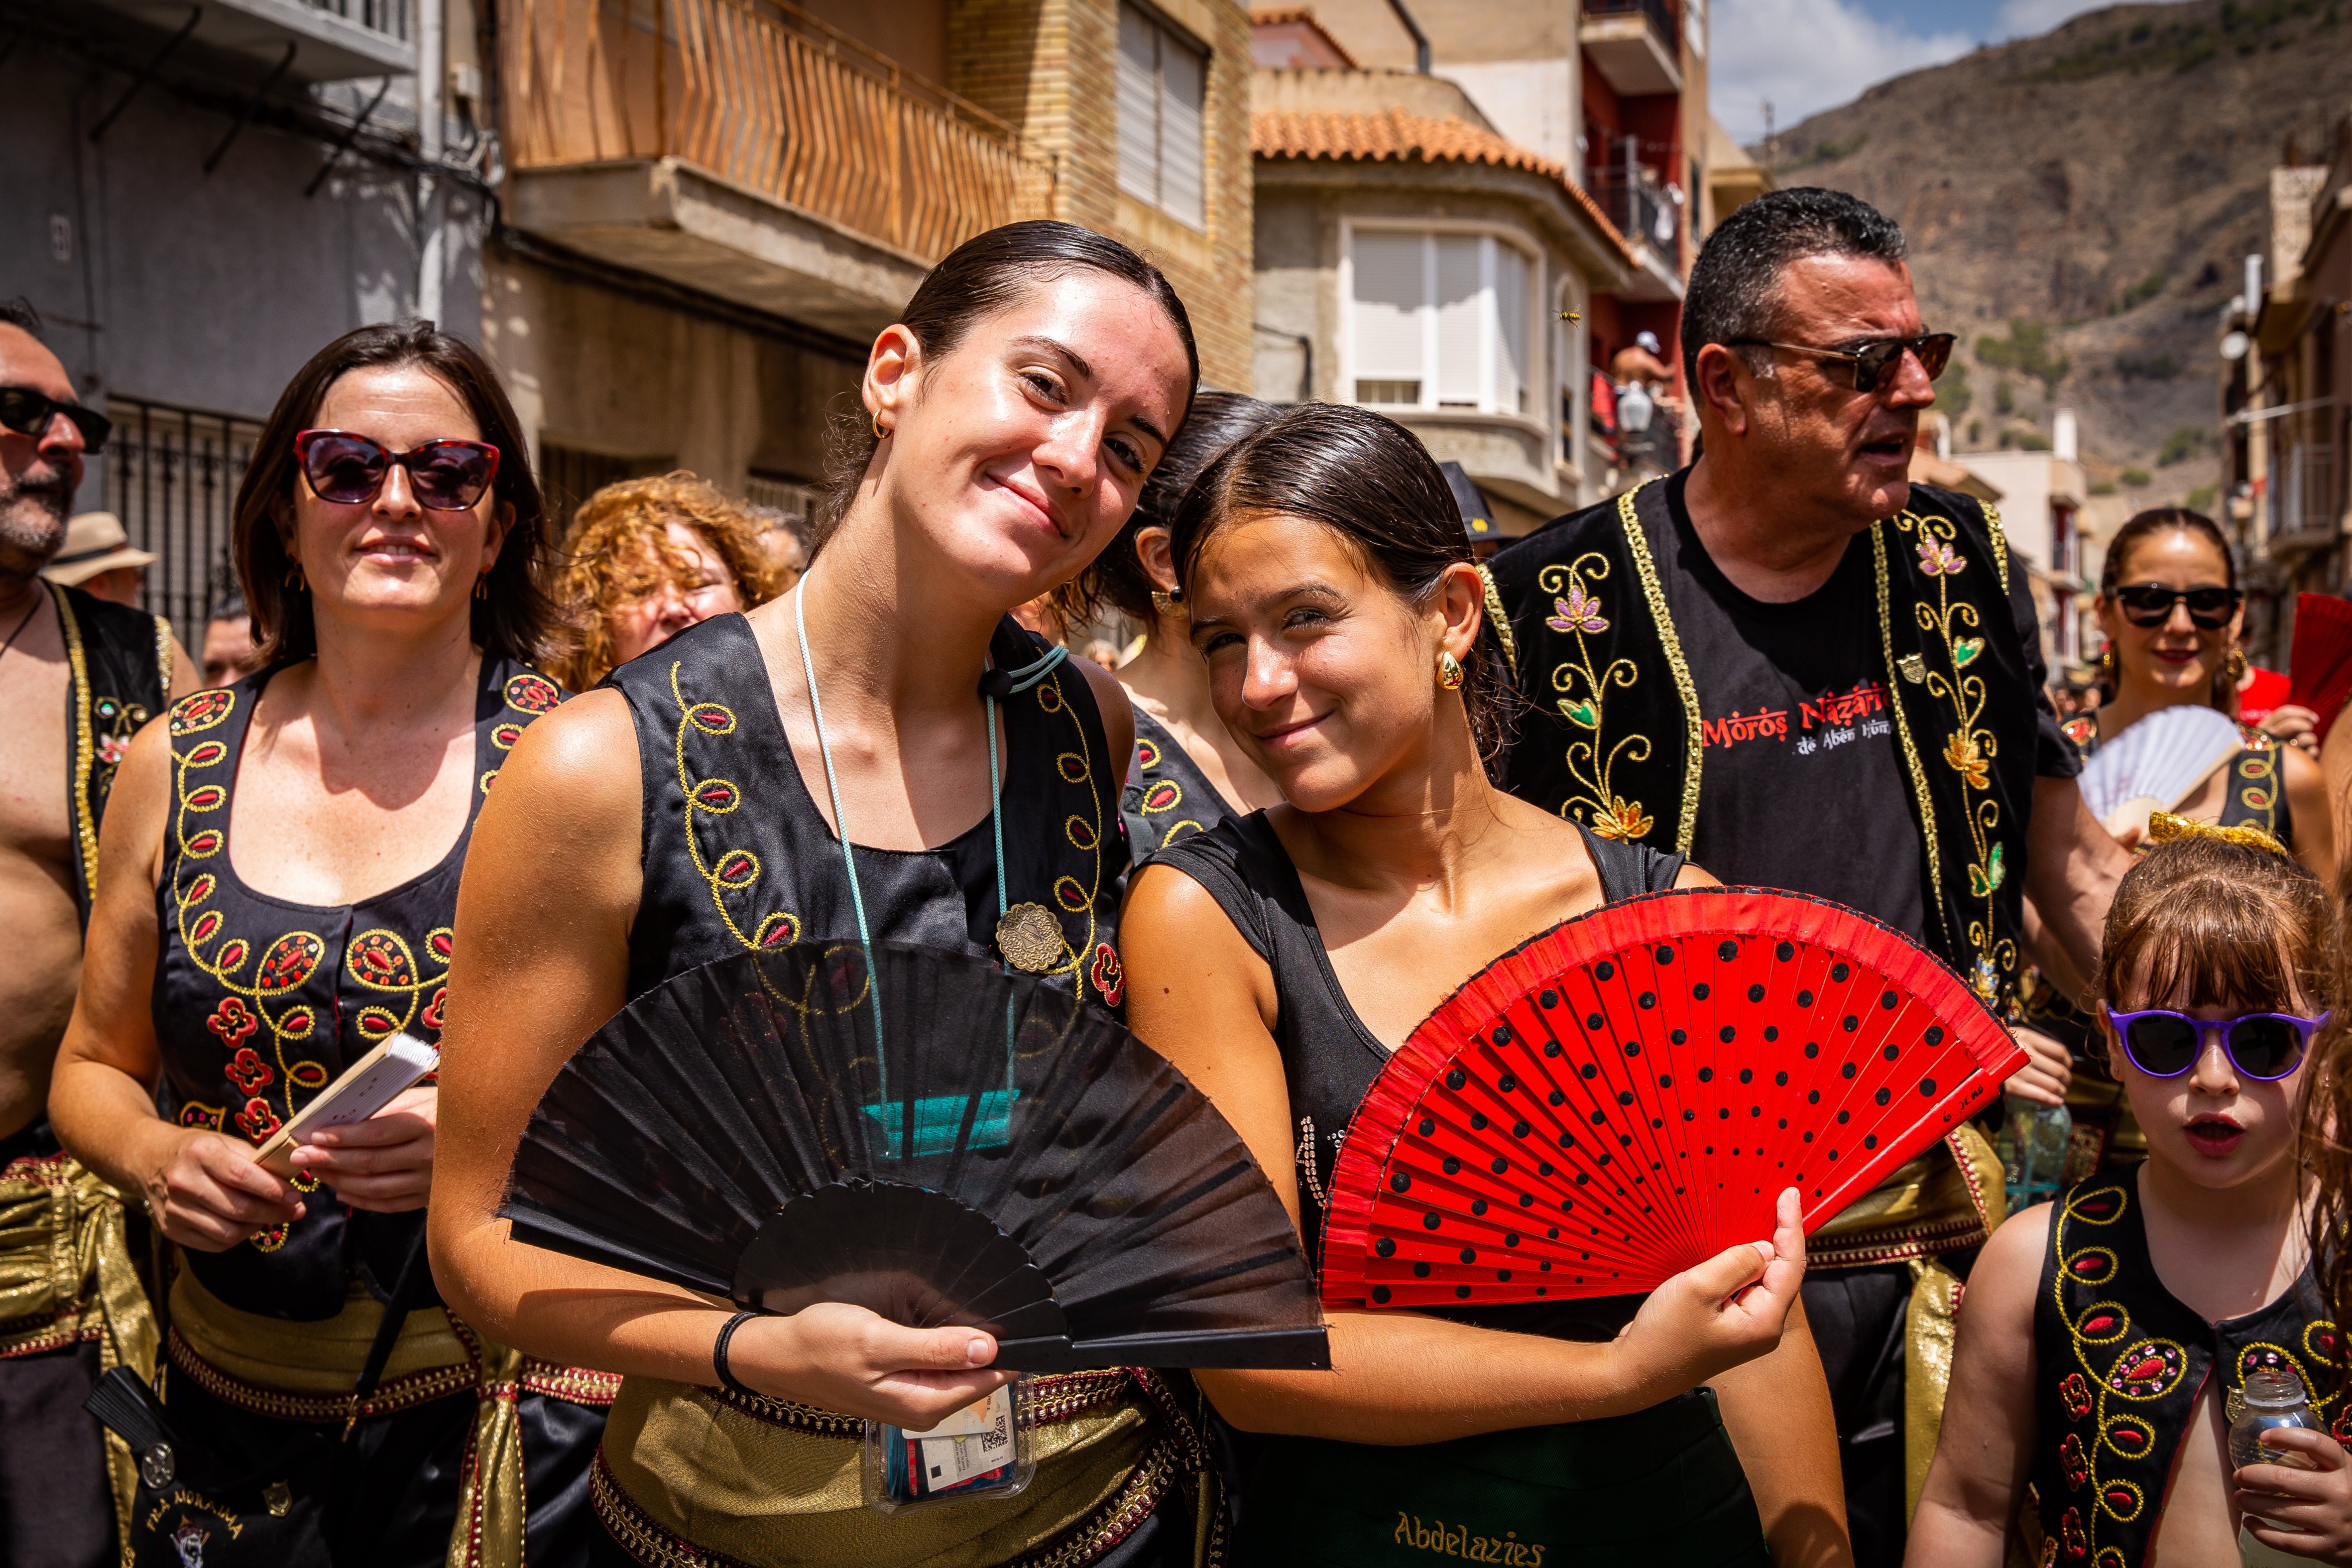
{"x": 1419, "y": 38}
{"x": 432, "y": 253}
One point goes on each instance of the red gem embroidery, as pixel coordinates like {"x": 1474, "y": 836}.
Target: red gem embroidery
{"x": 2098, "y": 1323}
{"x": 710, "y": 719}
{"x": 1162, "y": 796}
{"x": 2072, "y": 1460}
{"x": 206, "y": 925}
{"x": 2129, "y": 1438}
{"x": 1147, "y": 753}
{"x": 208, "y": 842}
{"x": 2071, "y": 1533}
{"x": 257, "y": 1120}
{"x": 2075, "y": 1393}
{"x": 198, "y": 891}
{"x": 1109, "y": 975}
{"x": 249, "y": 1072}
{"x": 504, "y": 736}
{"x": 232, "y": 953}
{"x": 203, "y": 710}
{"x": 380, "y": 959}
{"x": 1081, "y": 832}
{"x": 232, "y": 1021}
{"x": 206, "y": 797}
{"x": 716, "y": 794}
{"x": 433, "y": 1008}
{"x": 533, "y": 693}
{"x": 1073, "y": 767}
{"x": 206, "y": 753}
{"x": 443, "y": 943}
{"x": 2145, "y": 1371}
{"x": 290, "y": 961}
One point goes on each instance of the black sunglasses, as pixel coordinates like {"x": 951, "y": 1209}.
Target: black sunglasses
{"x": 349, "y": 470}
{"x": 1875, "y": 359}
{"x": 28, "y": 413}
{"x": 2150, "y": 605}
{"x": 2267, "y": 1047}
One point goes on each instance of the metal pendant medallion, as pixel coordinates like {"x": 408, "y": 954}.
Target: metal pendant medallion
{"x": 1030, "y": 938}
{"x": 157, "y": 1467}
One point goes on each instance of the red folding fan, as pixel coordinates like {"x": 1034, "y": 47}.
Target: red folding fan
{"x": 2319, "y": 670}
{"x": 1627, "y": 1094}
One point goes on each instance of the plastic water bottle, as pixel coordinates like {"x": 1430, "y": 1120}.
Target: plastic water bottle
{"x": 2033, "y": 1148}
{"x": 2275, "y": 1396}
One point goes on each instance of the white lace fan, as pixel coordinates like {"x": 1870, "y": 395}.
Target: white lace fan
{"x": 2162, "y": 759}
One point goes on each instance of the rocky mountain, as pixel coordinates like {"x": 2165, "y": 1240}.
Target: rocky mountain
{"x": 2080, "y": 205}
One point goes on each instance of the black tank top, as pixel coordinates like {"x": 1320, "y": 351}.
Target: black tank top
{"x": 737, "y": 856}
{"x": 260, "y": 1003}
{"x": 1166, "y": 796}
{"x": 1330, "y": 1059}
{"x": 2120, "y": 1364}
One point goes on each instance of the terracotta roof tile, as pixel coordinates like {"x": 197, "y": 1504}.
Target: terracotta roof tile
{"x": 1394, "y": 134}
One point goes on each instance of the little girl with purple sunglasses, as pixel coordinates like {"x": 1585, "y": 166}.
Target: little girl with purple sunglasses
{"x": 2106, "y": 1339}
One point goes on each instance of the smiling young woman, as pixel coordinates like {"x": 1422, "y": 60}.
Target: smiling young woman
{"x": 279, "y": 878}
{"x": 1011, "y": 418}
{"x": 1280, "y": 957}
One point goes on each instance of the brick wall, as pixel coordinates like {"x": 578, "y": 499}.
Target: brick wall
{"x": 1051, "y": 68}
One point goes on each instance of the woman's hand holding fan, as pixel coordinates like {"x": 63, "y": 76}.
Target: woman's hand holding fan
{"x": 849, "y": 1359}
{"x": 1723, "y": 1313}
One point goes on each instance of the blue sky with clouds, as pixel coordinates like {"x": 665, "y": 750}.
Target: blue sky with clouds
{"x": 1809, "y": 55}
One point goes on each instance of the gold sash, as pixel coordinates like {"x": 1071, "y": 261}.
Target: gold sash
{"x": 694, "y": 1478}
{"x": 1947, "y": 1198}
{"x": 305, "y": 1372}
{"x": 65, "y": 1276}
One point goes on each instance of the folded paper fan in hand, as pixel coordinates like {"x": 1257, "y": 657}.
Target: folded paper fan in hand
{"x": 2320, "y": 670}
{"x": 2161, "y": 759}
{"x": 922, "y": 1133}
{"x": 1628, "y": 1094}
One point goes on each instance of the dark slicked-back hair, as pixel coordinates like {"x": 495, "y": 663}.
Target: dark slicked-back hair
{"x": 1218, "y": 420}
{"x": 1369, "y": 480}
{"x": 515, "y": 617}
{"x": 1735, "y": 286}
{"x": 20, "y": 314}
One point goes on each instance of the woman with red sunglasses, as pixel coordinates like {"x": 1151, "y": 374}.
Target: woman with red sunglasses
{"x": 278, "y": 899}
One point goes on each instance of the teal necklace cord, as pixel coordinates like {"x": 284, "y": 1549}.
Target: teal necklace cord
{"x": 1012, "y": 681}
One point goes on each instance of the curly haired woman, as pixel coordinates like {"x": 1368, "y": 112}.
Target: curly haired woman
{"x": 646, "y": 559}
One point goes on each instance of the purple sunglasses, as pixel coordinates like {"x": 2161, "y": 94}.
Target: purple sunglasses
{"x": 2266, "y": 1046}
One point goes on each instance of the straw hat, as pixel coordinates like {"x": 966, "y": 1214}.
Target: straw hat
{"x": 95, "y": 542}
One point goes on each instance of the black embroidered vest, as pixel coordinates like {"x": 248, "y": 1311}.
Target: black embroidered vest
{"x": 1611, "y": 738}
{"x": 259, "y": 1002}
{"x": 2121, "y": 1365}
{"x": 737, "y": 856}
{"x": 119, "y": 672}
{"x": 1167, "y": 795}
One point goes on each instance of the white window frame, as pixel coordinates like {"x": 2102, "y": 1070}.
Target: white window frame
{"x": 1169, "y": 36}
{"x": 1572, "y": 357}
{"x": 1533, "y": 376}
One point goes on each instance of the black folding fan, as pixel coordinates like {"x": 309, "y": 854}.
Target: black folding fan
{"x": 1002, "y": 1157}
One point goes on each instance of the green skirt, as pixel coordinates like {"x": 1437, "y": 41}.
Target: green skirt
{"x": 1661, "y": 1487}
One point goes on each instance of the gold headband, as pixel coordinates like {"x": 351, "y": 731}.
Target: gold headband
{"x": 1501, "y": 621}
{"x": 2163, "y": 827}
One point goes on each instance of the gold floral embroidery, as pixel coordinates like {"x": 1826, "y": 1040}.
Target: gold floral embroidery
{"x": 729, "y": 871}
{"x": 1970, "y": 748}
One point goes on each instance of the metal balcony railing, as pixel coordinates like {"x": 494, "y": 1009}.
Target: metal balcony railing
{"x": 1660, "y": 15}
{"x": 1638, "y": 205}
{"x": 172, "y": 476}
{"x": 770, "y": 99}
{"x": 390, "y": 17}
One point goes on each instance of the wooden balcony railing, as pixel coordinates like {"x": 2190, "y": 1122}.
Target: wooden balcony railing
{"x": 770, "y": 99}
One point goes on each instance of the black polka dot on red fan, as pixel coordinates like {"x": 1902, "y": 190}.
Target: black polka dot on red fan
{"x": 1676, "y": 1006}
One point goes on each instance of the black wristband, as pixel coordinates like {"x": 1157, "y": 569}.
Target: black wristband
{"x": 718, "y": 1356}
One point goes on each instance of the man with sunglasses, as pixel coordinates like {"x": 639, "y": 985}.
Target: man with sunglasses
{"x": 1804, "y": 671}
{"x": 78, "y": 677}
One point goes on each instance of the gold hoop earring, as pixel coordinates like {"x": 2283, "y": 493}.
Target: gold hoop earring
{"x": 295, "y": 580}
{"x": 2234, "y": 667}
{"x": 1449, "y": 672}
{"x": 482, "y": 586}
{"x": 2107, "y": 662}
{"x": 1168, "y": 603}
{"x": 880, "y": 433}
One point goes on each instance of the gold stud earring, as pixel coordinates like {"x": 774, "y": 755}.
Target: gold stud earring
{"x": 1449, "y": 672}
{"x": 2107, "y": 662}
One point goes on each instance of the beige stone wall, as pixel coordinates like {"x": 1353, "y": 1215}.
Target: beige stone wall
{"x": 1050, "y": 67}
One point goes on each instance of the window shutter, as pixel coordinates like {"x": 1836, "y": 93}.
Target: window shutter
{"x": 1388, "y": 290}
{"x": 1181, "y": 79}
{"x": 1138, "y": 105}
{"x": 1460, "y": 304}
{"x": 1510, "y": 329}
